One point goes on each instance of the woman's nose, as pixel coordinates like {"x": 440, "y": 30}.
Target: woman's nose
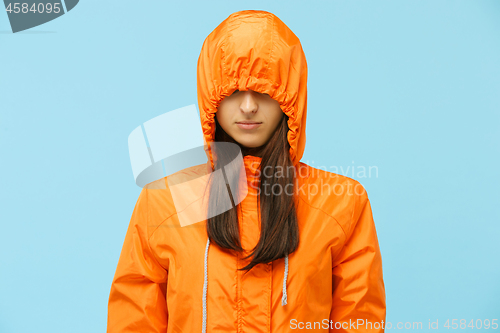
{"x": 249, "y": 103}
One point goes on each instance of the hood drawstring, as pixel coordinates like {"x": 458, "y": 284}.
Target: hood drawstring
{"x": 283, "y": 298}
{"x": 205, "y": 286}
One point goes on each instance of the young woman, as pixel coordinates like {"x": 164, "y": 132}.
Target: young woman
{"x": 298, "y": 252}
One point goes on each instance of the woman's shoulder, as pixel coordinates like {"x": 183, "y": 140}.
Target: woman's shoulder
{"x": 174, "y": 193}
{"x": 335, "y": 194}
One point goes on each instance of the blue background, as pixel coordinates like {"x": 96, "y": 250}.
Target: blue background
{"x": 410, "y": 87}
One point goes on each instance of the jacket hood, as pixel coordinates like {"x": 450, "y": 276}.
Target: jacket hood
{"x": 254, "y": 50}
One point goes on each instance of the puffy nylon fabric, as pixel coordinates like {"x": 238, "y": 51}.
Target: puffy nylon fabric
{"x": 254, "y": 50}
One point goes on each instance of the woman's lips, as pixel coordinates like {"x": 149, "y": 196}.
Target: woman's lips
{"x": 247, "y": 126}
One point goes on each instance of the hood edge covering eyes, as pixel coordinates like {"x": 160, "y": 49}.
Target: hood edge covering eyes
{"x": 254, "y": 50}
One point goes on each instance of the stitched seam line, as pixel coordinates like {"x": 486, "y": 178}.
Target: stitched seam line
{"x": 223, "y": 49}
{"x": 159, "y": 225}
{"x": 307, "y": 203}
{"x": 269, "y": 290}
{"x": 147, "y": 228}
{"x": 271, "y": 51}
{"x": 238, "y": 289}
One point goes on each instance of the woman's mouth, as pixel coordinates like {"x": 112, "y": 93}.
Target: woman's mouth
{"x": 248, "y": 124}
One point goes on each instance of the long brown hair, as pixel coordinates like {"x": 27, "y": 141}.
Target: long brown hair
{"x": 279, "y": 228}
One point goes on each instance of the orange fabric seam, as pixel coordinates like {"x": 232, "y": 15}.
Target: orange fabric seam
{"x": 325, "y": 213}
{"x": 147, "y": 228}
{"x": 270, "y": 298}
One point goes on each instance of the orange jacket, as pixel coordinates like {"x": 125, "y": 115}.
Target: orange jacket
{"x": 170, "y": 278}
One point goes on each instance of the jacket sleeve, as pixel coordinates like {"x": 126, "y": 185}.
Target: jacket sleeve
{"x": 358, "y": 286}
{"x": 137, "y": 300}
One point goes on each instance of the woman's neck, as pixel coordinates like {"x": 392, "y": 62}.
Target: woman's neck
{"x": 256, "y": 151}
